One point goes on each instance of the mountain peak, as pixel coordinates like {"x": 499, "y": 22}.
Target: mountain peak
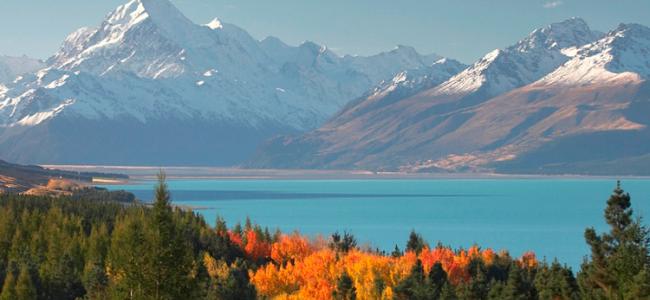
{"x": 133, "y": 10}
{"x": 539, "y": 53}
{"x": 314, "y": 48}
{"x": 214, "y": 24}
{"x": 621, "y": 55}
{"x": 631, "y": 28}
{"x": 162, "y": 12}
{"x": 148, "y": 36}
{"x": 406, "y": 51}
{"x": 573, "y": 32}
{"x": 571, "y": 22}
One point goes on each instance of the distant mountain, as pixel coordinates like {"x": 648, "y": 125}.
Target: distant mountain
{"x": 148, "y": 86}
{"x": 12, "y": 67}
{"x": 500, "y": 71}
{"x": 563, "y": 100}
{"x": 598, "y": 107}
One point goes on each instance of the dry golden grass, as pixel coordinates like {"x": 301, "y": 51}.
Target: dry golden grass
{"x": 63, "y": 185}
{"x": 43, "y": 191}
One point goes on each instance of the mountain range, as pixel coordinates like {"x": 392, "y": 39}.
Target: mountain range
{"x": 150, "y": 87}
{"x": 565, "y": 99}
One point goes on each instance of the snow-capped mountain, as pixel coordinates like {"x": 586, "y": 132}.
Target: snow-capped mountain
{"x": 564, "y": 99}
{"x": 12, "y": 67}
{"x": 499, "y": 71}
{"x": 147, "y": 68}
{"x": 620, "y": 55}
{"x": 404, "y": 84}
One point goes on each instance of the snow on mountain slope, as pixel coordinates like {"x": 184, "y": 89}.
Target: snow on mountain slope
{"x": 404, "y": 84}
{"x": 542, "y": 51}
{"x": 596, "y": 100}
{"x": 619, "y": 56}
{"x": 152, "y": 39}
{"x": 146, "y": 64}
{"x": 399, "y": 59}
{"x": 12, "y": 67}
{"x": 215, "y": 70}
{"x": 539, "y": 112}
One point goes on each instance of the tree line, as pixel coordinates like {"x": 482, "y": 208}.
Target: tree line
{"x": 83, "y": 248}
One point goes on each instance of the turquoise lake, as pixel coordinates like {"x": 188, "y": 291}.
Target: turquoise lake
{"x": 547, "y": 216}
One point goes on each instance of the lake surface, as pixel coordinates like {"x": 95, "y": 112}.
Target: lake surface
{"x": 547, "y": 216}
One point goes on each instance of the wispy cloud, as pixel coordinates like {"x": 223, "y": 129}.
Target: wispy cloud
{"x": 553, "y": 4}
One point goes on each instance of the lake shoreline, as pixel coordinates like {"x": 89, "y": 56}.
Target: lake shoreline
{"x": 145, "y": 173}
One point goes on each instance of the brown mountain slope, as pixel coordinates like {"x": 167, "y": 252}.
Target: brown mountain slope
{"x": 583, "y": 117}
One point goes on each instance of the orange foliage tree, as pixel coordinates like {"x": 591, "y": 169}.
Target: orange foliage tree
{"x": 303, "y": 269}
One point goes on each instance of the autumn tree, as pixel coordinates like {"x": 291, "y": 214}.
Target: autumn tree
{"x": 620, "y": 264}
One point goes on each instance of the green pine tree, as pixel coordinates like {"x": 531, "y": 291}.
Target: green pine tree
{"x": 9, "y": 288}
{"x": 236, "y": 286}
{"x": 396, "y": 252}
{"x": 343, "y": 243}
{"x": 619, "y": 256}
{"x": 497, "y": 290}
{"x": 345, "y": 289}
{"x": 516, "y": 288}
{"x": 415, "y": 243}
{"x": 221, "y": 227}
{"x": 25, "y": 289}
{"x": 437, "y": 280}
{"x": 171, "y": 255}
{"x": 640, "y": 288}
{"x": 94, "y": 278}
{"x": 448, "y": 292}
{"x": 378, "y": 287}
{"x": 128, "y": 258}
{"x": 556, "y": 282}
{"x": 415, "y": 285}
{"x": 478, "y": 285}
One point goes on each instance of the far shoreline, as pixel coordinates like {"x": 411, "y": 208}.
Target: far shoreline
{"x": 145, "y": 173}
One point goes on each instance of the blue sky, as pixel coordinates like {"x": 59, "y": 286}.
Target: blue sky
{"x": 460, "y": 29}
